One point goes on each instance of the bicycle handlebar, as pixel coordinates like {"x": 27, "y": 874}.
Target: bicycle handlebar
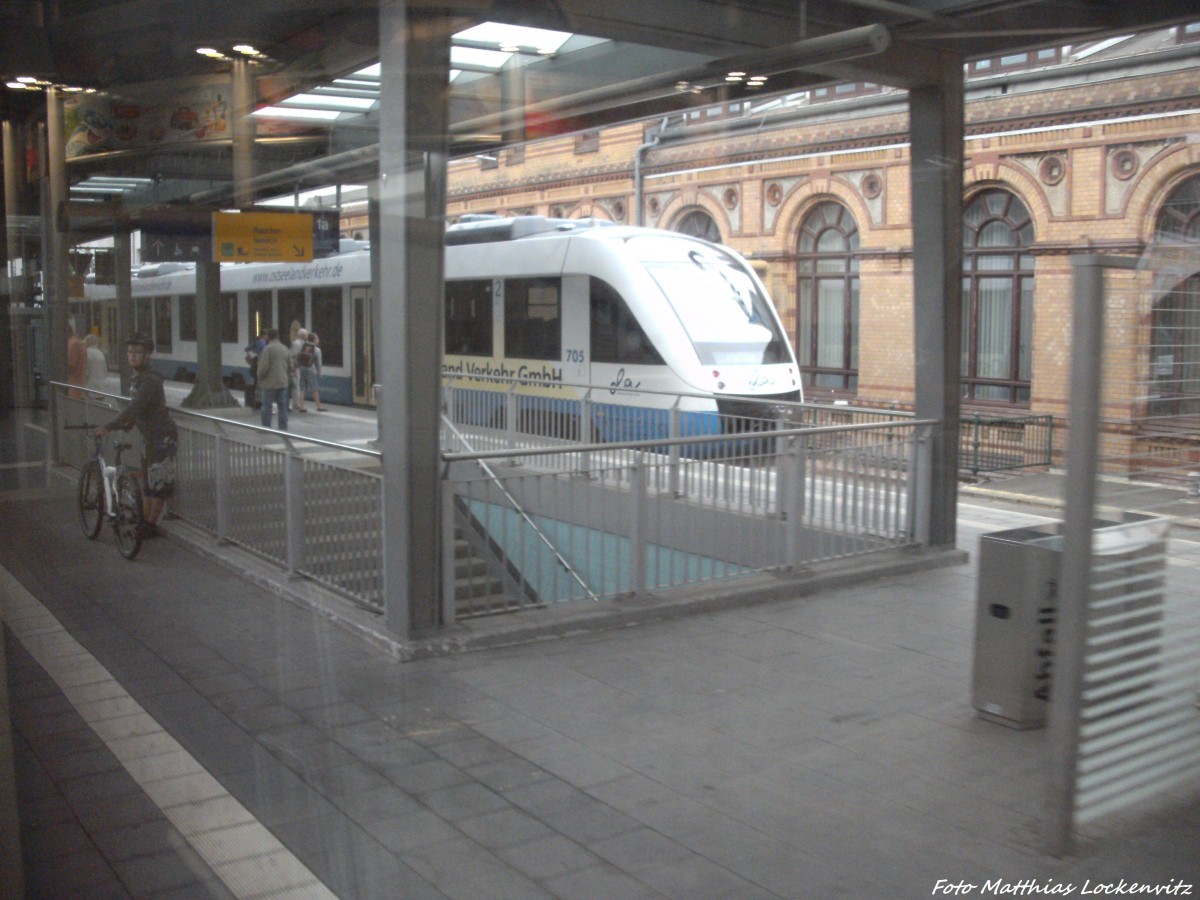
{"x": 117, "y": 445}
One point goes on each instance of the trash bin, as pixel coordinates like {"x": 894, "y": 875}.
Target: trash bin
{"x": 1017, "y": 607}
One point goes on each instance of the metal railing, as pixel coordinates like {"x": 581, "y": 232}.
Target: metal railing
{"x": 995, "y": 444}
{"x": 648, "y": 516}
{"x": 550, "y": 524}
{"x": 514, "y": 413}
{"x": 311, "y": 507}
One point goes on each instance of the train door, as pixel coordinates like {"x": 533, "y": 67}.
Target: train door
{"x": 575, "y": 325}
{"x": 362, "y": 356}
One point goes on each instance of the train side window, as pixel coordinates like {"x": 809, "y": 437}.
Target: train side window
{"x": 327, "y": 323}
{"x": 187, "y": 318}
{"x": 469, "y": 318}
{"x": 617, "y": 336}
{"x": 143, "y": 314}
{"x": 291, "y": 315}
{"x": 533, "y": 318}
{"x": 162, "y": 324}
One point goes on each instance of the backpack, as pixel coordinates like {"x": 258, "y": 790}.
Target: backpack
{"x": 305, "y": 357}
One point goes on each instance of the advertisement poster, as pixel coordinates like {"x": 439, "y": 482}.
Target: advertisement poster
{"x": 99, "y": 124}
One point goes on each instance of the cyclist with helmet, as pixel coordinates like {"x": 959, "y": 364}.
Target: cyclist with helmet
{"x": 148, "y": 411}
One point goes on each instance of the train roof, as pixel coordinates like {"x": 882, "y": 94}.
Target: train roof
{"x": 479, "y": 229}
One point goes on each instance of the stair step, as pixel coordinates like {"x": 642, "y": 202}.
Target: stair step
{"x": 469, "y": 567}
{"x": 470, "y": 588}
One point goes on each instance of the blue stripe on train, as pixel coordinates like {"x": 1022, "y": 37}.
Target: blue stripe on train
{"x": 610, "y": 422}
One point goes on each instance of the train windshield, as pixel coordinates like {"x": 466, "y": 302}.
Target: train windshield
{"x": 727, "y": 317}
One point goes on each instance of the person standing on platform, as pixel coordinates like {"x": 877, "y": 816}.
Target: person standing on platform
{"x": 298, "y": 343}
{"x": 76, "y": 362}
{"x": 274, "y": 364}
{"x": 97, "y": 365}
{"x": 308, "y": 368}
{"x": 316, "y": 381}
{"x": 253, "y": 397}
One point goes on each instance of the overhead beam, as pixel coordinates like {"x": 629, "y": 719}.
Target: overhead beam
{"x": 671, "y": 88}
{"x": 710, "y": 27}
{"x": 901, "y": 65}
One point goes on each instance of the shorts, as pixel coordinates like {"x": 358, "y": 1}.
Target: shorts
{"x": 159, "y": 466}
{"x": 308, "y": 379}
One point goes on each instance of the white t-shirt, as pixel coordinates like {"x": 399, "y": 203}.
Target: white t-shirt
{"x": 97, "y": 368}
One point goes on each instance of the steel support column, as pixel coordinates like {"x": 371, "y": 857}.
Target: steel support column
{"x": 936, "y": 135}
{"x": 415, "y": 61}
{"x": 55, "y": 282}
{"x": 209, "y": 391}
{"x": 14, "y": 284}
{"x": 123, "y": 272}
{"x": 241, "y": 127}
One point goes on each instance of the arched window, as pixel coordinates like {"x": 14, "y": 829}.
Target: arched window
{"x": 827, "y": 298}
{"x": 1175, "y": 323}
{"x": 698, "y": 223}
{"x": 997, "y": 299}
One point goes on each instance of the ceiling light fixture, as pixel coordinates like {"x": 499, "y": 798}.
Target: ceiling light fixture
{"x": 280, "y": 112}
{"x": 249, "y": 51}
{"x": 28, "y": 83}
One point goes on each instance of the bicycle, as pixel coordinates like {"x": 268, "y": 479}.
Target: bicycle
{"x": 111, "y": 493}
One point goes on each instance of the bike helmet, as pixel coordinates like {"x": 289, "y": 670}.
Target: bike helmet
{"x": 141, "y": 339}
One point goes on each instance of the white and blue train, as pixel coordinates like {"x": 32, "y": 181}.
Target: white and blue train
{"x": 642, "y": 315}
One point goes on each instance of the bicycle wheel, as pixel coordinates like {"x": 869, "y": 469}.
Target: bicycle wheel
{"x": 128, "y": 522}
{"x": 91, "y": 498}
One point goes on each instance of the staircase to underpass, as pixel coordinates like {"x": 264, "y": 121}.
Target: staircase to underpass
{"x": 475, "y": 589}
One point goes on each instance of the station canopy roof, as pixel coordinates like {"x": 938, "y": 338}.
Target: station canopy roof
{"x": 519, "y": 69}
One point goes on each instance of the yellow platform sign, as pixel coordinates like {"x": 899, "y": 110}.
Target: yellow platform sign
{"x": 262, "y": 237}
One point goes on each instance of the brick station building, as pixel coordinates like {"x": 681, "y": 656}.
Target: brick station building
{"x": 1078, "y": 149}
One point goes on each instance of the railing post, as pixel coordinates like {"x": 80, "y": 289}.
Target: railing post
{"x": 293, "y": 491}
{"x": 637, "y": 525}
{"x": 224, "y": 487}
{"x": 674, "y": 430}
{"x": 585, "y": 430}
{"x": 783, "y": 477}
{"x": 782, "y": 467}
{"x": 792, "y": 504}
{"x": 449, "y": 575}
{"x": 975, "y": 445}
{"x": 920, "y": 472}
{"x": 510, "y": 418}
